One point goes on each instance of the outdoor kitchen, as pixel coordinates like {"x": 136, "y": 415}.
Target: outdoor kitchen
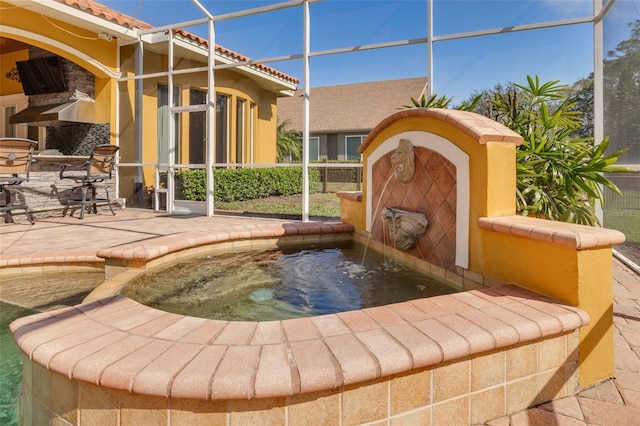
{"x": 60, "y": 100}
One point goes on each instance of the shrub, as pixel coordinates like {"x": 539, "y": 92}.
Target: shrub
{"x": 243, "y": 184}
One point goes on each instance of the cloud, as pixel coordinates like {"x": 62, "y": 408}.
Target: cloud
{"x": 566, "y": 9}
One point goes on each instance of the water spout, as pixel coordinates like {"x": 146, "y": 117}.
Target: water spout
{"x": 373, "y": 221}
{"x": 404, "y": 227}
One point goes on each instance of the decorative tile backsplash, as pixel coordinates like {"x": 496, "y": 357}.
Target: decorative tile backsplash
{"x": 77, "y": 139}
{"x": 432, "y": 192}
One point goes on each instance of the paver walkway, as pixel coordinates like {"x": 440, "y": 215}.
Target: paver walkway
{"x": 613, "y": 402}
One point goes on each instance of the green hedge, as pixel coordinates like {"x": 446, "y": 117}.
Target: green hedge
{"x": 243, "y": 184}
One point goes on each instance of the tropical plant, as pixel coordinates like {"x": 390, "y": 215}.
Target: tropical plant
{"x": 288, "y": 143}
{"x": 443, "y": 101}
{"x": 559, "y": 174}
{"x": 433, "y": 102}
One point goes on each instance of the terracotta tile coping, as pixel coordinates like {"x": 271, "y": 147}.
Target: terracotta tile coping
{"x": 579, "y": 237}
{"x": 481, "y": 128}
{"x": 160, "y": 246}
{"x": 120, "y": 344}
{"x": 21, "y": 260}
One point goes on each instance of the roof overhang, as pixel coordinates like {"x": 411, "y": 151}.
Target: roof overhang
{"x": 185, "y": 47}
{"x": 157, "y": 42}
{"x": 70, "y": 15}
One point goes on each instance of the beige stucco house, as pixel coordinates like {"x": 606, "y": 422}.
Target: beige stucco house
{"x": 342, "y": 116}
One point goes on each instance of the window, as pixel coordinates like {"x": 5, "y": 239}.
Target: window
{"x": 253, "y": 111}
{"x": 10, "y": 105}
{"x": 314, "y": 148}
{"x": 222, "y": 128}
{"x": 351, "y": 147}
{"x": 240, "y": 131}
{"x": 197, "y": 128}
{"x": 9, "y": 130}
{"x": 163, "y": 122}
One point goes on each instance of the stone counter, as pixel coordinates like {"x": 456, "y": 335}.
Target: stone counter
{"x": 45, "y": 193}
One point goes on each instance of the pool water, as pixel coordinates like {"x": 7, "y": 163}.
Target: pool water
{"x": 10, "y": 364}
{"x": 26, "y": 295}
{"x": 282, "y": 284}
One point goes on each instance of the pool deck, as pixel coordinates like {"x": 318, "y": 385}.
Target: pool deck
{"x": 613, "y": 402}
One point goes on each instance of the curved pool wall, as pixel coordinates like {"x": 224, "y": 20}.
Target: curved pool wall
{"x": 112, "y": 360}
{"x": 464, "y": 358}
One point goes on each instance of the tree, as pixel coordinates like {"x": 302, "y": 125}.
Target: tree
{"x": 622, "y": 94}
{"x": 582, "y": 92}
{"x": 482, "y": 101}
{"x": 288, "y": 143}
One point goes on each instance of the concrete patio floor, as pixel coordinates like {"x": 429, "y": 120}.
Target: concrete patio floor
{"x": 613, "y": 402}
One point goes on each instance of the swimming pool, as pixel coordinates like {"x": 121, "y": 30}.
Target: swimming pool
{"x": 36, "y": 293}
{"x": 10, "y": 364}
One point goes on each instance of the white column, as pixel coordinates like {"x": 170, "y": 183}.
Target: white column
{"x": 305, "y": 115}
{"x": 598, "y": 86}
{"x": 429, "y": 91}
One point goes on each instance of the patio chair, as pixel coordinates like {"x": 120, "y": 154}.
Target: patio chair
{"x": 97, "y": 169}
{"x": 15, "y": 163}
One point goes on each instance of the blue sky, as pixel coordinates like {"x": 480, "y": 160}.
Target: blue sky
{"x": 460, "y": 66}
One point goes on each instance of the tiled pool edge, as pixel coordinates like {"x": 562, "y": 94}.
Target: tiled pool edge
{"x": 342, "y": 360}
{"x": 142, "y": 355}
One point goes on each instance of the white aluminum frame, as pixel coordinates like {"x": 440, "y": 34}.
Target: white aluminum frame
{"x": 599, "y": 12}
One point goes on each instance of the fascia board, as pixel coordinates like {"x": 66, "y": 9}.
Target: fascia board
{"x": 76, "y": 17}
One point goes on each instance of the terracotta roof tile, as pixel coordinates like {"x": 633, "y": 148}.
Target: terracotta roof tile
{"x": 106, "y": 13}
{"x": 235, "y": 55}
{"x": 101, "y": 11}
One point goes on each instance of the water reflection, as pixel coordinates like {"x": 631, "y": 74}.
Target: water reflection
{"x": 281, "y": 284}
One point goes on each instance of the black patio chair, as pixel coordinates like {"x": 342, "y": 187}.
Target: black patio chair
{"x": 15, "y": 163}
{"x": 99, "y": 168}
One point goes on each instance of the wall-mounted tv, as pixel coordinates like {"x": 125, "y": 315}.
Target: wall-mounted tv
{"x": 42, "y": 75}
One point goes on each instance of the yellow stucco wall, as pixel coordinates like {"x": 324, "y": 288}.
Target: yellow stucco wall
{"x": 581, "y": 278}
{"x": 7, "y": 67}
{"x": 351, "y": 212}
{"x": 61, "y": 38}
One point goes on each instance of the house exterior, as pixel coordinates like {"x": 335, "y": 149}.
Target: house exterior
{"x": 97, "y": 51}
{"x": 342, "y": 116}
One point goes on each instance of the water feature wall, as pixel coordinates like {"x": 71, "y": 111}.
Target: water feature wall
{"x": 430, "y": 190}
{"x": 464, "y": 169}
{"x": 463, "y": 181}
